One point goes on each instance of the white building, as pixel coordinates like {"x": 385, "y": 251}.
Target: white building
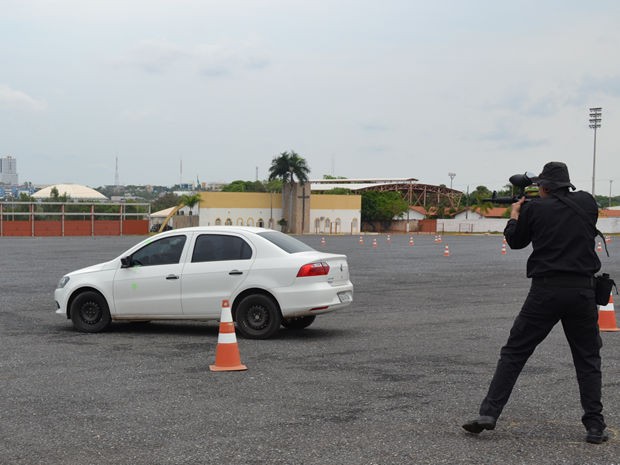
{"x": 314, "y": 214}
{"x": 8, "y": 171}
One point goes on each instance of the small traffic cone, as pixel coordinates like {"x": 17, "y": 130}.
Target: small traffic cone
{"x": 227, "y": 351}
{"x": 599, "y": 247}
{"x": 503, "y": 249}
{"x": 361, "y": 241}
{"x": 607, "y": 239}
{"x": 411, "y": 241}
{"x": 389, "y": 239}
{"x": 323, "y": 241}
{"x": 374, "y": 243}
{"x": 607, "y": 316}
{"x": 439, "y": 238}
{"x": 446, "y": 251}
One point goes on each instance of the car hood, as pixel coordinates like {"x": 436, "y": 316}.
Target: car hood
{"x": 94, "y": 268}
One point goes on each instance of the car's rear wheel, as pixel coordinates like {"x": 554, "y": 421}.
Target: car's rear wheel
{"x": 298, "y": 322}
{"x": 257, "y": 317}
{"x": 90, "y": 312}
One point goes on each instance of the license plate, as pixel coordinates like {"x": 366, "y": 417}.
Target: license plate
{"x": 345, "y": 296}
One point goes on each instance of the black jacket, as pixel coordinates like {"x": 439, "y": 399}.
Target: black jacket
{"x": 562, "y": 241}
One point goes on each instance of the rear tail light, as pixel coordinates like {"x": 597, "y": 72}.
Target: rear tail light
{"x": 313, "y": 269}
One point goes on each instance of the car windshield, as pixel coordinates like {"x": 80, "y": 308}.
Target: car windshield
{"x": 287, "y": 243}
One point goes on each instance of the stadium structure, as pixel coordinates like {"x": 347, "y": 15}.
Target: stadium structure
{"x": 416, "y": 194}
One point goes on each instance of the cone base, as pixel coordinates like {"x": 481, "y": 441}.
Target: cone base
{"x": 609, "y": 329}
{"x": 231, "y": 368}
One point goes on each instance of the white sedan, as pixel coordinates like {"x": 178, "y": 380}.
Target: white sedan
{"x": 270, "y": 279}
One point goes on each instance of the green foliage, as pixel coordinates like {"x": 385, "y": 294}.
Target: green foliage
{"x": 339, "y": 191}
{"x": 245, "y": 186}
{"x": 382, "y": 206}
{"x": 604, "y": 201}
{"x": 329, "y": 176}
{"x": 165, "y": 201}
{"x": 288, "y": 166}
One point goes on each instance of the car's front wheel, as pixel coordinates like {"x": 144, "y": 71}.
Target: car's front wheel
{"x": 90, "y": 312}
{"x": 299, "y": 322}
{"x": 257, "y": 317}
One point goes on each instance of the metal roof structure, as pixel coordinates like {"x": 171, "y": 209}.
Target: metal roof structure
{"x": 415, "y": 193}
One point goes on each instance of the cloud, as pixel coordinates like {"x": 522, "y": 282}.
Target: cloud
{"x": 374, "y": 127}
{"x": 155, "y": 57}
{"x": 209, "y": 60}
{"x": 17, "y": 99}
{"x": 505, "y": 137}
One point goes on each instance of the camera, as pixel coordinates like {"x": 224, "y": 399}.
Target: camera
{"x": 524, "y": 184}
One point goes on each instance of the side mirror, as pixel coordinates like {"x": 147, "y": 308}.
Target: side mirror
{"x": 126, "y": 262}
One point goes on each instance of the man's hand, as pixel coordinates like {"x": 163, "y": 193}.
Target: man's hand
{"x": 516, "y": 208}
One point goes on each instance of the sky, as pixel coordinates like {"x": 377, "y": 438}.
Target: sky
{"x": 213, "y": 90}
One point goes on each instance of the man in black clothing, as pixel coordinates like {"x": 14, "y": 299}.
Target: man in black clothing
{"x": 562, "y": 267}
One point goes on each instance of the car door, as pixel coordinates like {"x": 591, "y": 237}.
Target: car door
{"x": 151, "y": 285}
{"x": 218, "y": 265}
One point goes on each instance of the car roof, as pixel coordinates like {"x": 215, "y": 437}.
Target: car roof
{"x": 199, "y": 229}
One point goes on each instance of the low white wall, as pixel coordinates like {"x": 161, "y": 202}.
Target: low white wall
{"x": 605, "y": 225}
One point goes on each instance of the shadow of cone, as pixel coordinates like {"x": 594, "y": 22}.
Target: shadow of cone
{"x": 227, "y": 351}
{"x": 607, "y": 316}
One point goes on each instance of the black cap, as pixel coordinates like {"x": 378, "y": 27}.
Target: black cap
{"x": 554, "y": 176}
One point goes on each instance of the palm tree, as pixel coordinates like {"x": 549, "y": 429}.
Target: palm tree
{"x": 288, "y": 166}
{"x": 189, "y": 201}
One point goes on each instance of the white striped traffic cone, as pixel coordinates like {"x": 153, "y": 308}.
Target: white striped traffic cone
{"x": 607, "y": 316}
{"x": 227, "y": 351}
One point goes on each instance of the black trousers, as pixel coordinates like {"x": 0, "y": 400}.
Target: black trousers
{"x": 543, "y": 308}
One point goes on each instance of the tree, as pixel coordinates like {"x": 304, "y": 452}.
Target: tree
{"x": 190, "y": 201}
{"x": 382, "y": 207}
{"x": 479, "y": 199}
{"x": 165, "y": 201}
{"x": 286, "y": 167}
{"x": 245, "y": 186}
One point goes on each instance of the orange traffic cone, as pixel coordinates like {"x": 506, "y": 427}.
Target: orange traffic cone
{"x": 389, "y": 239}
{"x": 503, "y": 249}
{"x": 446, "y": 251}
{"x": 374, "y": 243}
{"x": 607, "y": 316}
{"x": 361, "y": 241}
{"x": 322, "y": 241}
{"x": 439, "y": 238}
{"x": 411, "y": 241}
{"x": 227, "y": 351}
{"x": 599, "y": 247}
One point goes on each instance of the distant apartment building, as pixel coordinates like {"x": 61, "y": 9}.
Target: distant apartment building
{"x": 8, "y": 171}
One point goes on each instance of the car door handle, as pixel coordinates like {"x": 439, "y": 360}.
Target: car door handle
{"x": 172, "y": 276}
{"x": 235, "y": 272}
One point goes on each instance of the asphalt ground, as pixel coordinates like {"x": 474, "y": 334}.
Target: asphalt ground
{"x": 388, "y": 380}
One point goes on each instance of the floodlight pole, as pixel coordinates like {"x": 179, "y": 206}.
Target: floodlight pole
{"x": 452, "y": 175}
{"x": 595, "y": 122}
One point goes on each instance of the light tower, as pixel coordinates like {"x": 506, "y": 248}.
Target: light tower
{"x": 116, "y": 178}
{"x": 452, "y": 175}
{"x": 595, "y": 123}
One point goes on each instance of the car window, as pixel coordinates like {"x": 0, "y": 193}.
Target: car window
{"x": 160, "y": 252}
{"x": 219, "y": 247}
{"x": 287, "y": 243}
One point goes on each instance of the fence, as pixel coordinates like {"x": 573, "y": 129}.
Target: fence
{"x": 73, "y": 219}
